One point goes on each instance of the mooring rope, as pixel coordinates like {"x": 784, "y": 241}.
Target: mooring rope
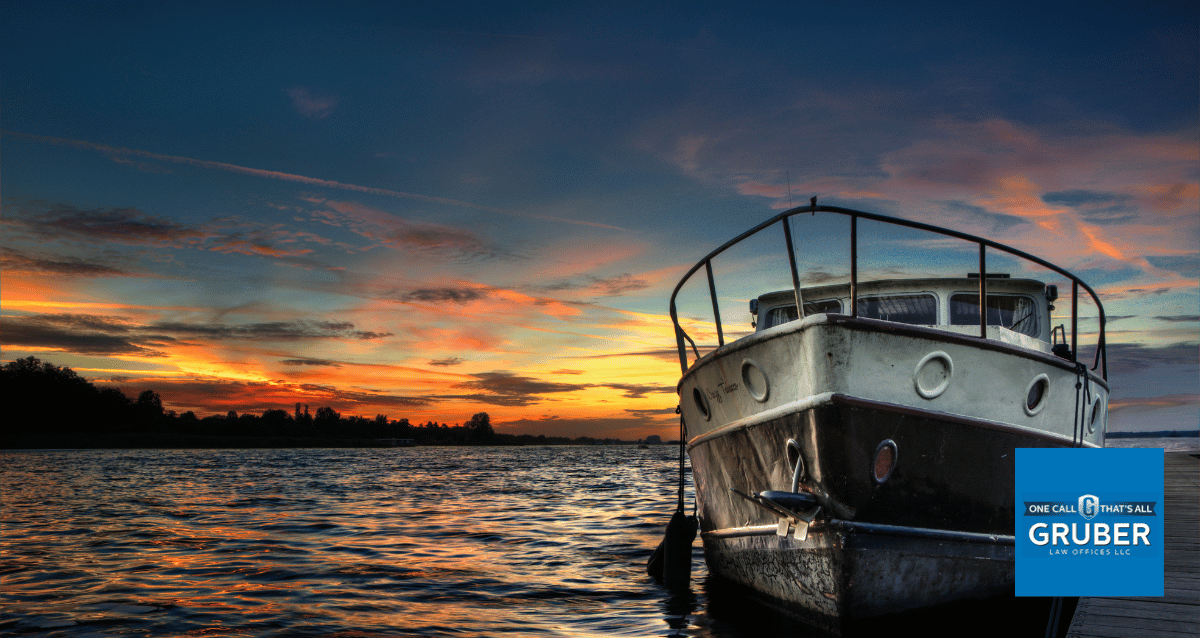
{"x": 679, "y": 411}
{"x": 1081, "y": 382}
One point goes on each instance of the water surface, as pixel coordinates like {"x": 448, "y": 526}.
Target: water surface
{"x": 530, "y": 541}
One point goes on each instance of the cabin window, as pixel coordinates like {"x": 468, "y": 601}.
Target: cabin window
{"x": 779, "y": 316}
{"x": 920, "y": 310}
{"x": 829, "y": 306}
{"x": 782, "y": 314}
{"x": 1015, "y": 312}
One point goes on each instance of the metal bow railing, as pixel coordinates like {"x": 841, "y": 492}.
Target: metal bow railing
{"x": 1100, "y": 362}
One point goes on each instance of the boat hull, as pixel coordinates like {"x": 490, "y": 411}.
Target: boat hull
{"x": 843, "y": 572}
{"x": 835, "y": 390}
{"x": 939, "y": 529}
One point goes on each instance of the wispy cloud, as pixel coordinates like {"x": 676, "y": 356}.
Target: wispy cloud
{"x": 425, "y": 237}
{"x": 57, "y": 222}
{"x": 311, "y": 362}
{"x": 1179, "y": 319}
{"x": 639, "y": 391}
{"x": 364, "y": 398}
{"x": 441, "y": 295}
{"x": 1096, "y": 207}
{"x": 122, "y": 225}
{"x": 15, "y": 261}
{"x": 1187, "y": 266}
{"x": 408, "y": 235}
{"x": 998, "y": 224}
{"x": 209, "y": 395}
{"x": 300, "y": 179}
{"x": 614, "y": 286}
{"x": 1129, "y": 356}
{"x": 96, "y": 334}
{"x": 297, "y": 330}
{"x": 517, "y": 390}
{"x": 628, "y": 428}
{"x": 511, "y": 389}
{"x": 239, "y": 236}
{"x": 1095, "y": 190}
{"x": 317, "y": 107}
{"x": 83, "y": 335}
{"x": 1166, "y": 401}
{"x": 650, "y": 412}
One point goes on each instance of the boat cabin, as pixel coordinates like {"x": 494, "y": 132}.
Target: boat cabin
{"x": 1019, "y": 308}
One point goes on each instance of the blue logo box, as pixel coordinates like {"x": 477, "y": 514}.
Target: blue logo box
{"x": 1089, "y": 522}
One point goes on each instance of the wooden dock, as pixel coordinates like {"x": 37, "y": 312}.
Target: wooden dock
{"x": 1177, "y": 612}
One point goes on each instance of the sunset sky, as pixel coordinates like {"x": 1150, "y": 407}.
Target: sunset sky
{"x": 428, "y": 212}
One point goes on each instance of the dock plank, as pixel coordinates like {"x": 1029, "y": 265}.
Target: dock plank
{"x": 1177, "y": 612}
{"x": 1127, "y": 632}
{"x": 1143, "y": 624}
{"x": 1144, "y": 609}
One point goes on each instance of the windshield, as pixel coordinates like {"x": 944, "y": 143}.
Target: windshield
{"x": 920, "y": 309}
{"x": 1015, "y": 312}
{"x": 783, "y": 314}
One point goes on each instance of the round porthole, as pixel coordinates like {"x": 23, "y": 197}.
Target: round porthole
{"x": 885, "y": 461}
{"x": 755, "y": 380}
{"x": 1097, "y": 409}
{"x": 932, "y": 375}
{"x": 1035, "y": 394}
{"x": 701, "y": 403}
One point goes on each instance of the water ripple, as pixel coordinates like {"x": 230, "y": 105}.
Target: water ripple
{"x": 530, "y": 541}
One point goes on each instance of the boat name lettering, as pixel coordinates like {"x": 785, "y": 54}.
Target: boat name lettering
{"x": 722, "y": 387}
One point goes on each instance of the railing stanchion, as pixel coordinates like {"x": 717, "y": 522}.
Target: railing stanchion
{"x": 1074, "y": 319}
{"x": 712, "y": 292}
{"x": 854, "y": 265}
{"x": 682, "y": 348}
{"x": 1101, "y": 349}
{"x": 982, "y": 291}
{"x": 787, "y": 236}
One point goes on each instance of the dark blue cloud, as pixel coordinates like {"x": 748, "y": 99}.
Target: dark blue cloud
{"x": 82, "y": 334}
{"x": 117, "y": 224}
{"x": 998, "y": 222}
{"x": 1096, "y": 207}
{"x": 17, "y": 261}
{"x": 1081, "y": 197}
{"x": 1184, "y": 265}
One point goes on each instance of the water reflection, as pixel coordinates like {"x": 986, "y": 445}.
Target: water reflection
{"x": 402, "y": 541}
{"x": 548, "y": 541}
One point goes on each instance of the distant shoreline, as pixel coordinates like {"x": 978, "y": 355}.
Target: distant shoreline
{"x": 159, "y": 441}
{"x": 52, "y": 407}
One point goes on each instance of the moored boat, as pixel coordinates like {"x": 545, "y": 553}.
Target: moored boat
{"x": 853, "y": 456}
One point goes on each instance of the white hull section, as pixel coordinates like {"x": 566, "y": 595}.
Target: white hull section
{"x": 786, "y": 367}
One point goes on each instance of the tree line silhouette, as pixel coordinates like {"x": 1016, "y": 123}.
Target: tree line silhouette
{"x": 52, "y": 406}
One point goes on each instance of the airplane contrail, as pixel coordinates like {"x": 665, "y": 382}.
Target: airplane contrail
{"x": 290, "y": 177}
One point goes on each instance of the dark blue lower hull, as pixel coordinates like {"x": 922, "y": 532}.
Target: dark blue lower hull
{"x": 938, "y": 529}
